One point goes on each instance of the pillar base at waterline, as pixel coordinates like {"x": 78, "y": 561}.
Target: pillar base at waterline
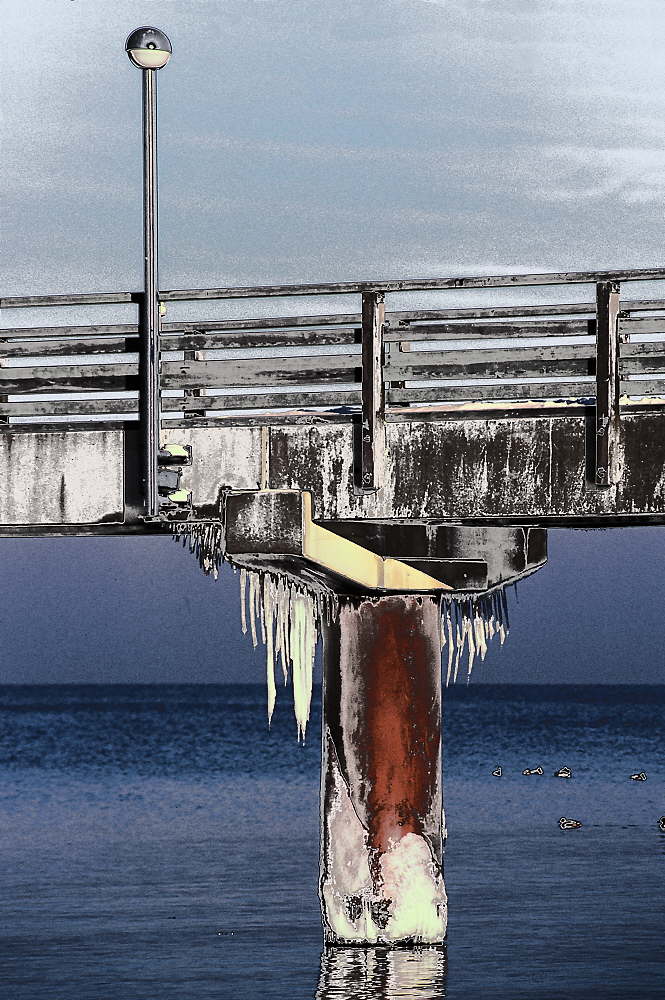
{"x": 382, "y": 820}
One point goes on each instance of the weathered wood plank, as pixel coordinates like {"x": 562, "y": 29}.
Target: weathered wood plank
{"x": 77, "y": 332}
{"x": 260, "y": 371}
{"x": 636, "y": 325}
{"x": 68, "y": 407}
{"x": 607, "y": 384}
{"x": 521, "y": 311}
{"x": 267, "y": 419}
{"x": 368, "y": 477}
{"x": 487, "y": 369}
{"x": 10, "y": 385}
{"x": 564, "y": 352}
{"x": 648, "y": 364}
{"x": 259, "y": 401}
{"x": 69, "y": 372}
{"x": 648, "y": 348}
{"x": 531, "y": 310}
{"x": 261, "y": 338}
{"x": 414, "y": 284}
{"x": 528, "y": 390}
{"x": 496, "y": 331}
{"x": 244, "y": 401}
{"x": 646, "y": 387}
{"x": 66, "y": 348}
{"x": 264, "y": 323}
{"x": 79, "y": 299}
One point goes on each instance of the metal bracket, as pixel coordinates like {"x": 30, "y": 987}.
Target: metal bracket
{"x": 171, "y": 459}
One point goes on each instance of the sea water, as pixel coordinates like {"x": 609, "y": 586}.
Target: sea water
{"x": 161, "y": 842}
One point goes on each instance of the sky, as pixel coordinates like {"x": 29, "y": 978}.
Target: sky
{"x": 308, "y": 141}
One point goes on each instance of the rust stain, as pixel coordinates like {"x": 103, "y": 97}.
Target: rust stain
{"x": 387, "y": 735}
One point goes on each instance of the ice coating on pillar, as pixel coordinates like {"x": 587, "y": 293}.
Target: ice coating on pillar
{"x": 382, "y": 818}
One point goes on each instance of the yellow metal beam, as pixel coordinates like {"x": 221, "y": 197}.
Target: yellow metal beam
{"x": 353, "y": 562}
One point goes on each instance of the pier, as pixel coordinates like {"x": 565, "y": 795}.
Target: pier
{"x": 401, "y": 461}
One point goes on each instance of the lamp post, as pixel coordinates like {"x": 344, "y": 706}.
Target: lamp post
{"x": 150, "y": 50}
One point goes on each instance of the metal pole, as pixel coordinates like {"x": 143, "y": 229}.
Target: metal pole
{"x": 149, "y": 320}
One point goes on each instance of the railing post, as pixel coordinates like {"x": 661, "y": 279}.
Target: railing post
{"x": 608, "y": 387}
{"x": 4, "y": 418}
{"x": 372, "y": 438}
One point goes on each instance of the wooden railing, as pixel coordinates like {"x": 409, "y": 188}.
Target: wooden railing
{"x": 380, "y": 364}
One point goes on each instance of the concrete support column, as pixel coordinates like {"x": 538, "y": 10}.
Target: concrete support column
{"x": 382, "y": 830}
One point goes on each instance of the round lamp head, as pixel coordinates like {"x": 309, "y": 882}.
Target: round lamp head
{"x": 148, "y": 48}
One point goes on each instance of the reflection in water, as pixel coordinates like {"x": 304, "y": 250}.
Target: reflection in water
{"x": 383, "y": 974}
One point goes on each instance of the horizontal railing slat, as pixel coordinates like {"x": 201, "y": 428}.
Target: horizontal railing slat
{"x": 246, "y": 401}
{"x": 342, "y": 287}
{"x": 414, "y": 284}
{"x": 528, "y": 390}
{"x": 265, "y": 323}
{"x": 78, "y": 332}
{"x": 68, "y": 407}
{"x": 496, "y": 331}
{"x": 65, "y": 348}
{"x": 239, "y": 401}
{"x": 653, "y": 347}
{"x": 642, "y": 324}
{"x": 259, "y": 371}
{"x": 646, "y": 387}
{"x": 485, "y": 369}
{"x": 263, "y": 338}
{"x": 90, "y": 378}
{"x": 647, "y": 365}
{"x": 477, "y": 355}
{"x": 523, "y": 311}
{"x": 76, "y": 299}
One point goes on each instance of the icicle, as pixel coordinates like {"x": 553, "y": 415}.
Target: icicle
{"x": 204, "y": 540}
{"x": 259, "y": 608}
{"x": 298, "y": 664}
{"x": 281, "y": 616}
{"x": 243, "y": 600}
{"x": 468, "y": 624}
{"x": 270, "y": 656}
{"x": 285, "y": 616}
{"x": 472, "y": 645}
{"x": 451, "y": 645}
{"x": 252, "y": 607}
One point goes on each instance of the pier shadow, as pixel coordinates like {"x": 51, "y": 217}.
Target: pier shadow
{"x": 383, "y": 974}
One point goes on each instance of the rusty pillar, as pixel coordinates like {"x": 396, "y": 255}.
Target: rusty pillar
{"x": 382, "y": 830}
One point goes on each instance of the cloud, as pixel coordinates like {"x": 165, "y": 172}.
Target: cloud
{"x": 583, "y": 173}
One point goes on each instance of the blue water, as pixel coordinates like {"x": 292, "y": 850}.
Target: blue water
{"x": 158, "y": 842}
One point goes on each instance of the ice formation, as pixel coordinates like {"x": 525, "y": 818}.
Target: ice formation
{"x": 286, "y": 616}
{"x": 205, "y": 541}
{"x": 469, "y": 625}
